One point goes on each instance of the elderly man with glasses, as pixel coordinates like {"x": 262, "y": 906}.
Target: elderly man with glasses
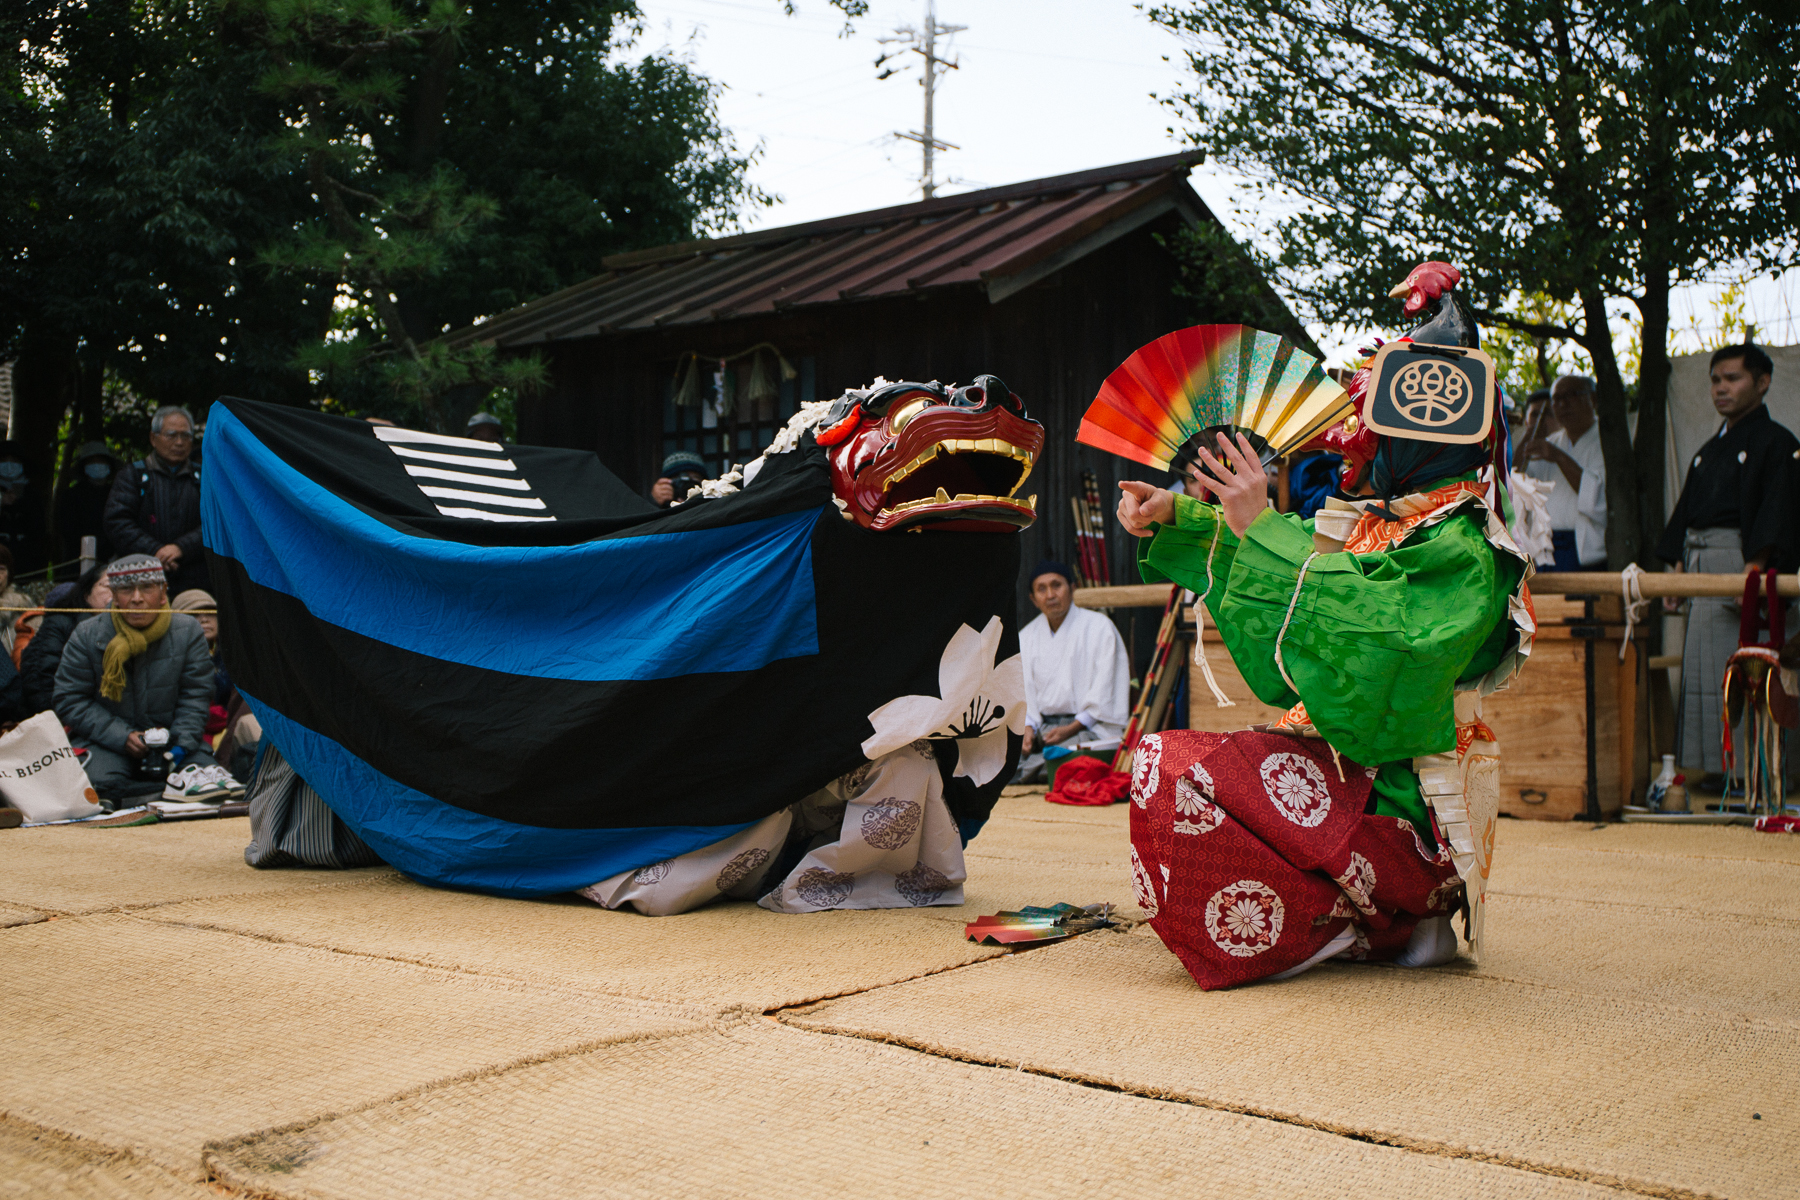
{"x": 154, "y": 507}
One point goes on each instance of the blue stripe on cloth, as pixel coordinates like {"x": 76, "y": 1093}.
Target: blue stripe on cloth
{"x": 441, "y": 844}
{"x": 732, "y": 598}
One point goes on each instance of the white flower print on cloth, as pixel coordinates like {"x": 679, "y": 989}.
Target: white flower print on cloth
{"x": 1141, "y": 885}
{"x": 1146, "y": 762}
{"x": 1358, "y": 882}
{"x": 1196, "y": 813}
{"x": 1245, "y": 919}
{"x": 978, "y": 702}
{"x": 1296, "y": 788}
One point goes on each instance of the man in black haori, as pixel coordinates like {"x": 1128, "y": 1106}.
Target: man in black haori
{"x": 1735, "y": 514}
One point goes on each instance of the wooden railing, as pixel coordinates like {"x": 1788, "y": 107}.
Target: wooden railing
{"x": 1545, "y": 583}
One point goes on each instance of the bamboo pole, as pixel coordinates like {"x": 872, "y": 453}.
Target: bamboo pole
{"x": 1545, "y": 583}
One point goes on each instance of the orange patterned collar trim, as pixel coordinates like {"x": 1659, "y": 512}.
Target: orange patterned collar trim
{"x": 1374, "y": 533}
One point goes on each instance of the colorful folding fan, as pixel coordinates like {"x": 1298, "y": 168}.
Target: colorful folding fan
{"x": 1206, "y": 378}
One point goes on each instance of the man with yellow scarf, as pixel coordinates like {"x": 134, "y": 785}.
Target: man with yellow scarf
{"x": 138, "y": 669}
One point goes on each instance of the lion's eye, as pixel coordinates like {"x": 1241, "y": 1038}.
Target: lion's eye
{"x": 900, "y": 416}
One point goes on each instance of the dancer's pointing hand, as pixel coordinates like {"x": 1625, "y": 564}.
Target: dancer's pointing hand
{"x": 1142, "y": 506}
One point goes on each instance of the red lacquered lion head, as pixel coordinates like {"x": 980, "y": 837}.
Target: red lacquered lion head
{"x": 909, "y": 455}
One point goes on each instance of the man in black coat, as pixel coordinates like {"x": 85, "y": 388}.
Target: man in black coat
{"x": 81, "y": 512}
{"x": 1736, "y": 514}
{"x": 154, "y": 508}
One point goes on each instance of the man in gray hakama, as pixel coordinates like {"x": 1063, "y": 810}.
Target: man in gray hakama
{"x": 1735, "y": 512}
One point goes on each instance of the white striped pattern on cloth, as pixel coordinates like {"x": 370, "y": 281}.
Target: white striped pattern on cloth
{"x": 482, "y": 465}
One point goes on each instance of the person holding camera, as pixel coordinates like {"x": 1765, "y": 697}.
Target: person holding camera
{"x": 682, "y": 472}
{"x": 135, "y": 686}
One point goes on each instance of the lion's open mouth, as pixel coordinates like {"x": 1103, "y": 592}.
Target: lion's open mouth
{"x": 958, "y": 469}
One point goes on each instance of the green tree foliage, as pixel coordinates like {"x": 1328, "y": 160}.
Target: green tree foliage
{"x": 290, "y": 198}
{"x": 1590, "y": 151}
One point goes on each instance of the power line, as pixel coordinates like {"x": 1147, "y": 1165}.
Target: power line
{"x": 923, "y": 43}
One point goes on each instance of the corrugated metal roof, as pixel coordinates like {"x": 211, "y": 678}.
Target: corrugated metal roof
{"x": 1000, "y": 239}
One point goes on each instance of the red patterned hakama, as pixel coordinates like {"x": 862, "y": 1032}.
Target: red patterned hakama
{"x": 1251, "y": 851}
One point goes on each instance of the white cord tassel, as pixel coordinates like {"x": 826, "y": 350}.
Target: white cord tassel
{"x": 1219, "y": 696}
{"x": 1292, "y": 604}
{"x": 1632, "y": 591}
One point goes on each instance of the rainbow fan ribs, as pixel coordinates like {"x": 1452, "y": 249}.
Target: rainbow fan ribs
{"x": 1226, "y": 378}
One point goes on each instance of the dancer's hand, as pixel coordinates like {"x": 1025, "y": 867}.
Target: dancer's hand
{"x": 1142, "y": 506}
{"x": 1239, "y": 481}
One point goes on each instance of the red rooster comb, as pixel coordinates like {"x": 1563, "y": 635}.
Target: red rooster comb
{"x": 1427, "y": 282}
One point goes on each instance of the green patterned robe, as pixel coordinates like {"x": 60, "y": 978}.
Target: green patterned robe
{"x": 1377, "y": 642}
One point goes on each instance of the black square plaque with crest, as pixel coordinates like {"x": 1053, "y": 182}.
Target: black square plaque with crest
{"x": 1431, "y": 393}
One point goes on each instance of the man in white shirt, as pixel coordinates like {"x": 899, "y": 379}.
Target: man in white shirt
{"x": 1076, "y": 673}
{"x": 1571, "y": 461}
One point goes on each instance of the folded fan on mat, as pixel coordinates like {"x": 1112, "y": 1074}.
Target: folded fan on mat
{"x": 1223, "y": 377}
{"x": 1034, "y": 924}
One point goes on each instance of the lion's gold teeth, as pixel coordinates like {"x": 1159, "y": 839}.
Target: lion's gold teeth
{"x": 966, "y": 446}
{"x": 959, "y": 498}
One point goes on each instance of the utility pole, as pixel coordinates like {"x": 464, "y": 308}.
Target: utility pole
{"x": 923, "y": 43}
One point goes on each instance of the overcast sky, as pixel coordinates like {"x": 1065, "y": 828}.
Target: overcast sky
{"x": 1044, "y": 87}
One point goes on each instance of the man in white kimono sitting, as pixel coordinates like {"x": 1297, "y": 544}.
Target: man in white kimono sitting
{"x": 1076, "y": 674}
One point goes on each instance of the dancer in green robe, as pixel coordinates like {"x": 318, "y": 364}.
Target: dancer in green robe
{"x": 1358, "y": 823}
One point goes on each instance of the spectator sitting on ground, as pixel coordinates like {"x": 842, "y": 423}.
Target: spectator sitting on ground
{"x": 63, "y": 595}
{"x": 1570, "y": 460}
{"x": 82, "y": 510}
{"x": 204, "y": 609}
{"x": 1076, "y": 673}
{"x": 485, "y": 427}
{"x": 43, "y": 654}
{"x": 140, "y": 667}
{"x": 682, "y": 472}
{"x": 13, "y": 603}
{"x": 154, "y": 508}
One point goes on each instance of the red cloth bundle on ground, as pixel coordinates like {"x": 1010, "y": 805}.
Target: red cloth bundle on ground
{"x": 1089, "y": 781}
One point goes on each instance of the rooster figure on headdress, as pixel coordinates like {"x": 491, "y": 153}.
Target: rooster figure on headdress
{"x": 1356, "y": 825}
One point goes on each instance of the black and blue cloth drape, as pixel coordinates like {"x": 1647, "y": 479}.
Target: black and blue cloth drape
{"x": 507, "y": 672}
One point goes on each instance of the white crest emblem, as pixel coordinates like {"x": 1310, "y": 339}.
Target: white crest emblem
{"x": 1297, "y": 789}
{"x": 1196, "y": 811}
{"x": 1245, "y": 919}
{"x": 1140, "y": 884}
{"x": 1144, "y": 769}
{"x": 1358, "y": 882}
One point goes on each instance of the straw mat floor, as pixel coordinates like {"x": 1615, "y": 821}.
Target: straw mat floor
{"x": 722, "y": 956}
{"x": 298, "y": 1034}
{"x": 760, "y": 1111}
{"x": 13, "y": 914}
{"x": 74, "y": 869}
{"x": 155, "y": 1039}
{"x": 36, "y": 1164}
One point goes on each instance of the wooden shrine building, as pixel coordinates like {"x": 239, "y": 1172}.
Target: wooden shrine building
{"x": 1048, "y": 284}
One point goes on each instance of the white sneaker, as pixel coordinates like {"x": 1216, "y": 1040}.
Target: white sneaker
{"x": 224, "y": 779}
{"x": 194, "y": 784}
